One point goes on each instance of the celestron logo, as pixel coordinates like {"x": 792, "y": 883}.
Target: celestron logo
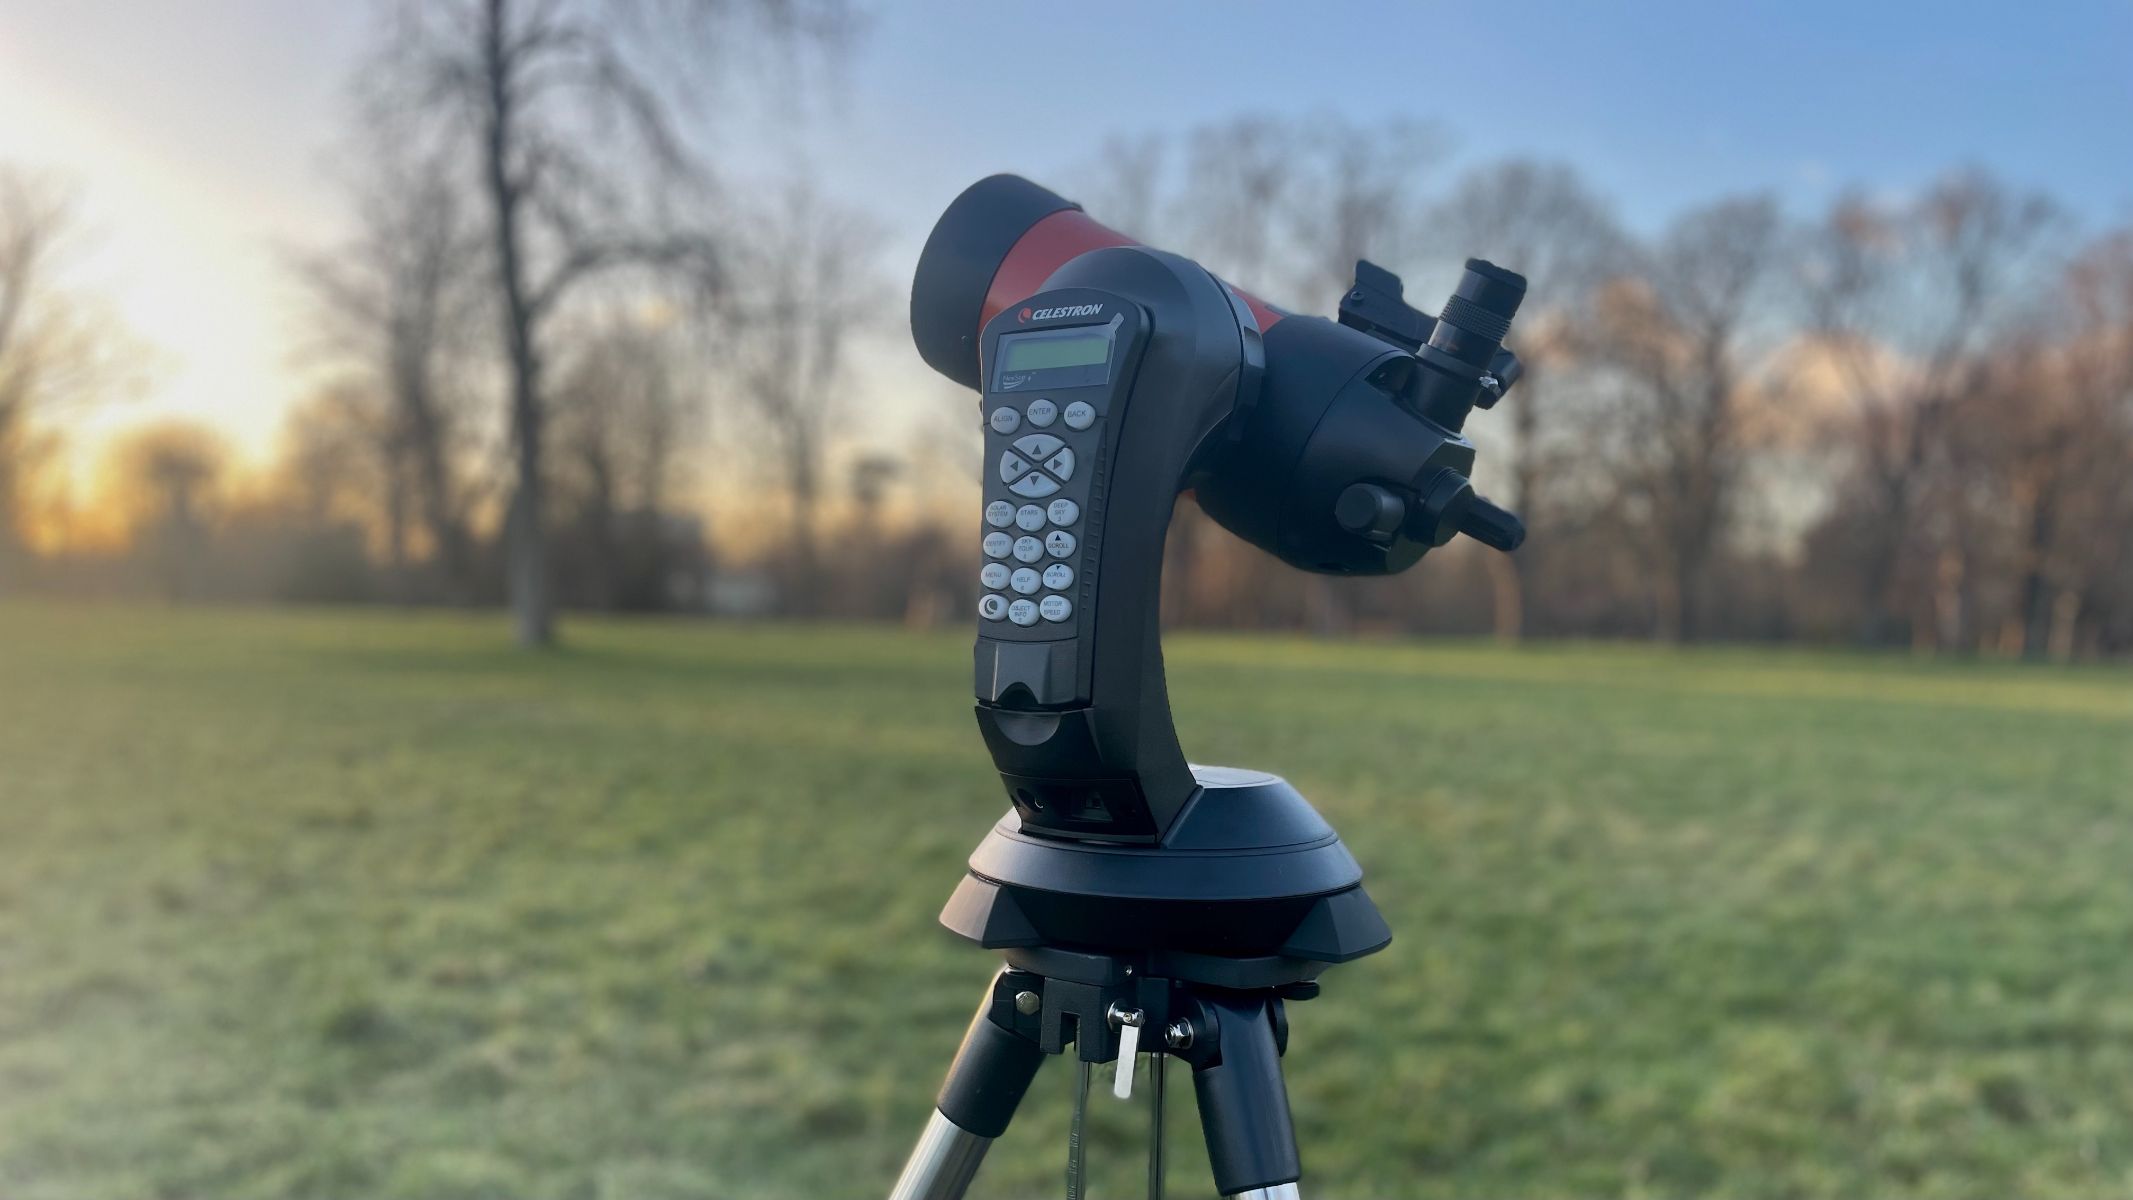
{"x": 1070, "y": 310}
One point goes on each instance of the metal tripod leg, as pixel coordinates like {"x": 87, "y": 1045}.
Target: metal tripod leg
{"x": 985, "y": 1083}
{"x": 1244, "y": 1105}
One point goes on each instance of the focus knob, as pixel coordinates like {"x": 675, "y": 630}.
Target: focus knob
{"x": 1370, "y": 512}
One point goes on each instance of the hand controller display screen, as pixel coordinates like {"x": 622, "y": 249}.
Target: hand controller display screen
{"x": 1065, "y": 358}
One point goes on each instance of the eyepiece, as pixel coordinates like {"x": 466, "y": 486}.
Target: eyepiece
{"x": 1478, "y": 315}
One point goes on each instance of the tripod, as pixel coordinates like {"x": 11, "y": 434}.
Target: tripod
{"x": 1188, "y": 948}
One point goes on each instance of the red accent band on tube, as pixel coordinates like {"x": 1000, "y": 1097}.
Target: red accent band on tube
{"x": 1050, "y": 243}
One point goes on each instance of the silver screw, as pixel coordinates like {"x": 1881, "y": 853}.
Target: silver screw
{"x": 1179, "y": 1035}
{"x": 1027, "y": 1003}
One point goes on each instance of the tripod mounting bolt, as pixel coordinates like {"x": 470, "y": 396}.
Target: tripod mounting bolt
{"x": 1027, "y": 1003}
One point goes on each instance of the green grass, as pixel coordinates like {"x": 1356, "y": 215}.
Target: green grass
{"x": 333, "y": 905}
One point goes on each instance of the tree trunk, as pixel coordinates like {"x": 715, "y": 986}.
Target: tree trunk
{"x": 1507, "y": 586}
{"x": 532, "y": 600}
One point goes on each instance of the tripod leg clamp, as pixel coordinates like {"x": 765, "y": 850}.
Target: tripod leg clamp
{"x": 998, "y": 1059}
{"x": 1244, "y": 1105}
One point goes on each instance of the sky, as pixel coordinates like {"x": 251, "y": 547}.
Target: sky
{"x": 200, "y": 135}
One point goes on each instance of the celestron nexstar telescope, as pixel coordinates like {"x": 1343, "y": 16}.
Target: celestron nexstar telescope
{"x": 1144, "y": 905}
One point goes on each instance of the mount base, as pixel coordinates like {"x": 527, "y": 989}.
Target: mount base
{"x": 1249, "y": 888}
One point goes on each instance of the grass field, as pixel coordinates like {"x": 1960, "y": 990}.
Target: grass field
{"x": 331, "y": 905}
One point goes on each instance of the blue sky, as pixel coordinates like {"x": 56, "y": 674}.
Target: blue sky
{"x": 202, "y": 132}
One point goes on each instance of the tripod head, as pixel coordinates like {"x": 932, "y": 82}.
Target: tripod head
{"x": 1114, "y": 377}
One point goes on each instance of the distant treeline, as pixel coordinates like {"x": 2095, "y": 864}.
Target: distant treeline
{"x": 1901, "y": 421}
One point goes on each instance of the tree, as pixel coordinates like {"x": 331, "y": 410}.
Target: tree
{"x": 56, "y": 349}
{"x": 163, "y": 478}
{"x": 564, "y": 106}
{"x": 397, "y": 301}
{"x": 1679, "y": 332}
{"x": 624, "y": 412}
{"x": 807, "y": 283}
{"x": 1906, "y": 301}
{"x": 1538, "y": 219}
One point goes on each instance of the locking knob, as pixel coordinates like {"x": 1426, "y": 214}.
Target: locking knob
{"x": 1370, "y": 512}
{"x": 1492, "y": 525}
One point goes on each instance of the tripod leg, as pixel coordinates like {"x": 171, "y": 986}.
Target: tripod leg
{"x": 985, "y": 1083}
{"x": 1244, "y": 1106}
{"x": 1156, "y": 1072}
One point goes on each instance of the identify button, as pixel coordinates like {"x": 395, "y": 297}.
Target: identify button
{"x": 997, "y": 544}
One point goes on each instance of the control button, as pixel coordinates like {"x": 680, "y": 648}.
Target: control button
{"x": 997, "y": 544}
{"x": 1012, "y": 465}
{"x": 1037, "y": 445}
{"x": 993, "y": 576}
{"x": 1062, "y": 512}
{"x": 1023, "y": 612}
{"x": 1025, "y": 580}
{"x": 1000, "y": 514}
{"x": 1005, "y": 420}
{"x": 1029, "y": 549}
{"x": 1058, "y": 577}
{"x": 1042, "y": 412}
{"x": 1079, "y": 415}
{"x": 1055, "y": 608}
{"x": 992, "y": 608}
{"x": 1059, "y": 542}
{"x": 1030, "y": 518}
{"x": 1061, "y": 464}
{"x": 1035, "y": 485}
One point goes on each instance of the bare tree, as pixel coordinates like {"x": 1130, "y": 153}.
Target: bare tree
{"x": 165, "y": 476}
{"x": 1681, "y": 333}
{"x": 1904, "y": 300}
{"x": 624, "y": 412}
{"x": 399, "y": 301}
{"x": 808, "y": 282}
{"x": 563, "y": 105}
{"x": 1541, "y": 220}
{"x": 56, "y": 349}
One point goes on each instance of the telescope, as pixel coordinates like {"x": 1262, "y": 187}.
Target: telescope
{"x": 1145, "y": 905}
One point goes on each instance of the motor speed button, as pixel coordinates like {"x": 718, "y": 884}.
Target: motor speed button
{"x": 992, "y": 608}
{"x": 1029, "y": 549}
{"x": 1025, "y": 581}
{"x": 1000, "y": 514}
{"x": 998, "y": 544}
{"x": 993, "y": 575}
{"x": 1042, "y": 412}
{"x": 1005, "y": 420}
{"x": 1062, "y": 512}
{"x": 1059, "y": 542}
{"x": 1055, "y": 608}
{"x": 1030, "y": 518}
{"x": 1023, "y": 612}
{"x": 1079, "y": 415}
